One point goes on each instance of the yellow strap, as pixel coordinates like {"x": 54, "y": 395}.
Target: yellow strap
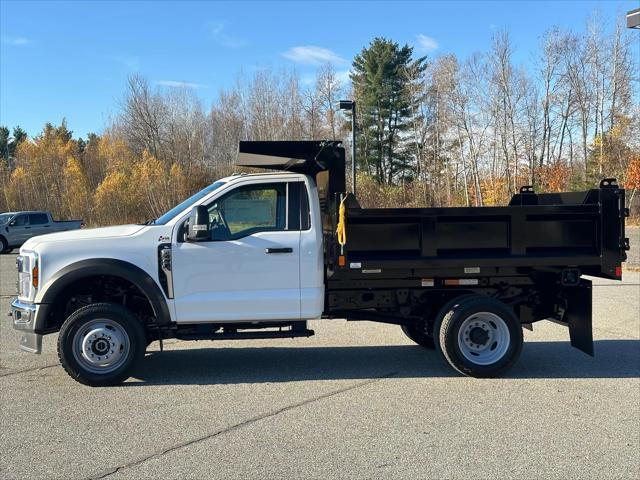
{"x": 342, "y": 225}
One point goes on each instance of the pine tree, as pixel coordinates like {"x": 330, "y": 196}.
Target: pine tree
{"x": 381, "y": 90}
{"x": 4, "y": 143}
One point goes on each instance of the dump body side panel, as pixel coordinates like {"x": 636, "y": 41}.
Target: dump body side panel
{"x": 587, "y": 235}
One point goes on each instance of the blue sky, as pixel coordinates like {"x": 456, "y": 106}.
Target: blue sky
{"x": 72, "y": 59}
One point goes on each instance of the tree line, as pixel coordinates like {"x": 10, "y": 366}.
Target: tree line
{"x": 439, "y": 131}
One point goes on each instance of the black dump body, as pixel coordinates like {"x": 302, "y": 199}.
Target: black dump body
{"x": 401, "y": 265}
{"x": 582, "y": 230}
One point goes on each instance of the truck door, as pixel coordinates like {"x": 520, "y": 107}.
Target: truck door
{"x": 250, "y": 268}
{"x": 19, "y": 230}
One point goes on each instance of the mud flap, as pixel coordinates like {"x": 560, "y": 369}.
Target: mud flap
{"x": 578, "y": 316}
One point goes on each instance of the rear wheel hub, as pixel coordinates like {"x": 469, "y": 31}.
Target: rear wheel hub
{"x": 483, "y": 338}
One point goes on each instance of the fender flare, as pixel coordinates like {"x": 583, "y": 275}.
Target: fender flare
{"x": 112, "y": 267}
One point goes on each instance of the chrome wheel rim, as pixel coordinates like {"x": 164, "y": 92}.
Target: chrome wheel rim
{"x": 101, "y": 346}
{"x": 484, "y": 338}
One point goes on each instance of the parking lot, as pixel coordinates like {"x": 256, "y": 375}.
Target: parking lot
{"x": 356, "y": 400}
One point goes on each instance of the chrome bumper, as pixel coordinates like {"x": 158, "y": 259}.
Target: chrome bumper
{"x": 24, "y": 319}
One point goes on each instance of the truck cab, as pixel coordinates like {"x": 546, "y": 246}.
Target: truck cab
{"x": 261, "y": 259}
{"x": 258, "y": 255}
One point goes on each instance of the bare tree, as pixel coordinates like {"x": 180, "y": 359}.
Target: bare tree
{"x": 328, "y": 89}
{"x": 143, "y": 117}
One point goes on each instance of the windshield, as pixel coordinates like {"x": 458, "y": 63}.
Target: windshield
{"x": 4, "y": 218}
{"x": 189, "y": 201}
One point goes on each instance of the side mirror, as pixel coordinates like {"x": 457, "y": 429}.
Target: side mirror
{"x": 12, "y": 223}
{"x": 198, "y": 226}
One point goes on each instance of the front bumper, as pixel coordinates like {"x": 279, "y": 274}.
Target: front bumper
{"x": 24, "y": 319}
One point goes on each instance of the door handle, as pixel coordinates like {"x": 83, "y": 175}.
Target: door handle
{"x": 279, "y": 250}
{"x": 27, "y": 228}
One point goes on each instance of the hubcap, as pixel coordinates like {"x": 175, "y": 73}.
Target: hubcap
{"x": 483, "y": 338}
{"x": 101, "y": 346}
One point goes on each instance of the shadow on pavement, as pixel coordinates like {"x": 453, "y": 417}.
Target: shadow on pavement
{"x": 614, "y": 359}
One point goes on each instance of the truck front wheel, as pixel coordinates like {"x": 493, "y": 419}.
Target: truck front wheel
{"x": 100, "y": 344}
{"x": 480, "y": 337}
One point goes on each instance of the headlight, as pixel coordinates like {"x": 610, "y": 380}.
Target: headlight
{"x": 28, "y": 276}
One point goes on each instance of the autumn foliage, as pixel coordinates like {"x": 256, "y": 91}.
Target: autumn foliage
{"x": 54, "y": 172}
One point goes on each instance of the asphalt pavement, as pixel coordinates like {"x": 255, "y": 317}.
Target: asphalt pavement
{"x": 356, "y": 400}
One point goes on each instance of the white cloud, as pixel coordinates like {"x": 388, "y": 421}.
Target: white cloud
{"x": 313, "y": 55}
{"x": 176, "y": 84}
{"x": 15, "y": 41}
{"x": 426, "y": 44}
{"x": 217, "y": 30}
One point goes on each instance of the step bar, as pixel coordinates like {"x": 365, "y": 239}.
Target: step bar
{"x": 244, "y": 331}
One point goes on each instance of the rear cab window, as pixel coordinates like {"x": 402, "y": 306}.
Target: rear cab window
{"x": 38, "y": 218}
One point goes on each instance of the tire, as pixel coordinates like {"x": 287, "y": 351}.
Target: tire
{"x": 419, "y": 336}
{"x": 84, "y": 350}
{"x": 4, "y": 246}
{"x": 479, "y": 336}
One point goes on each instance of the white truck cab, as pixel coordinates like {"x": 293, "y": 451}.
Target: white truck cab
{"x": 263, "y": 259}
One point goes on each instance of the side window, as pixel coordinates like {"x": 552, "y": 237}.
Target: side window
{"x": 298, "y": 210}
{"x": 38, "y": 218}
{"x": 305, "y": 211}
{"x": 20, "y": 221}
{"x": 248, "y": 210}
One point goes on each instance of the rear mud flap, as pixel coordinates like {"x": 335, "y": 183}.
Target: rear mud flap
{"x": 578, "y": 316}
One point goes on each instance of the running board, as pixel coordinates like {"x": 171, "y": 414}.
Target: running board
{"x": 245, "y": 332}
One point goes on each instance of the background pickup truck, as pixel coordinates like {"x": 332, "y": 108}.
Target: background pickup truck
{"x": 255, "y": 256}
{"x": 18, "y": 227}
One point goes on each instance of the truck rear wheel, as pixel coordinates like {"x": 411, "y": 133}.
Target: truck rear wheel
{"x": 100, "y": 344}
{"x": 479, "y": 336}
{"x": 419, "y": 336}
